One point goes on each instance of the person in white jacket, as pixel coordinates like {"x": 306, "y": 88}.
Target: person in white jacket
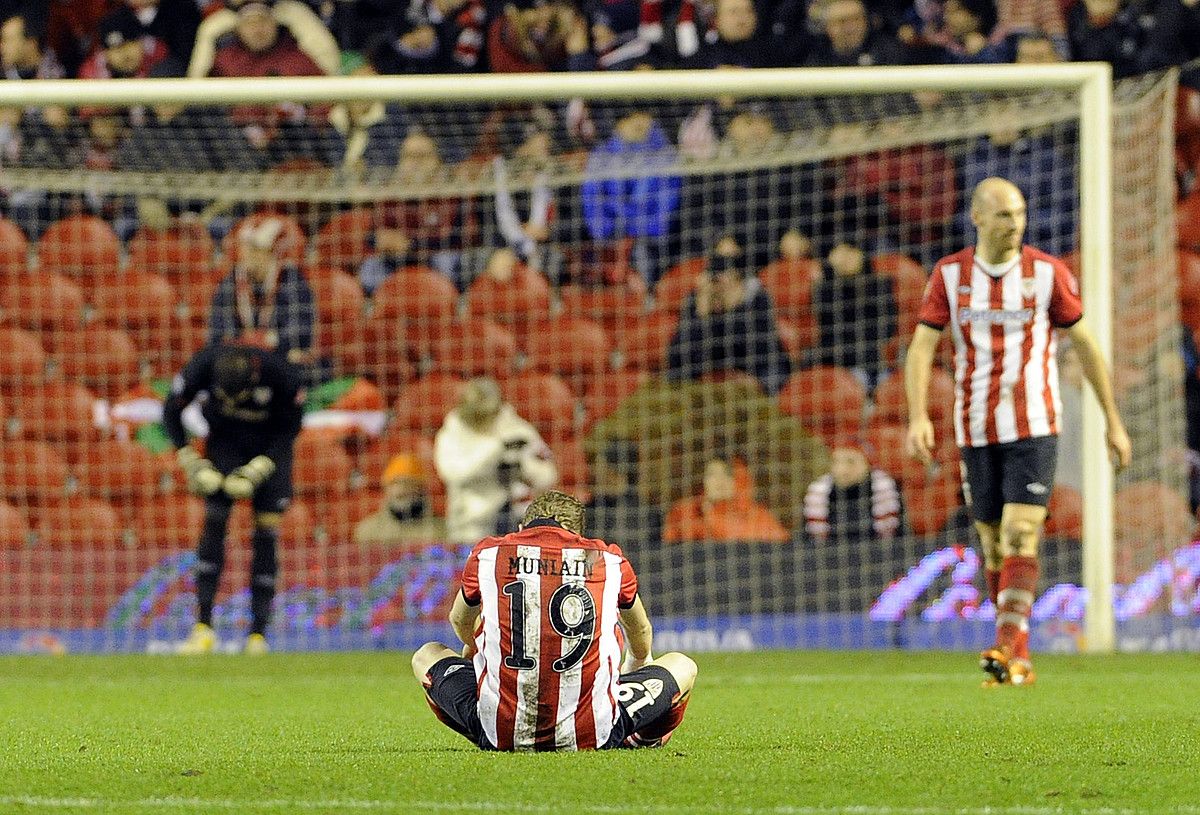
{"x": 493, "y": 463}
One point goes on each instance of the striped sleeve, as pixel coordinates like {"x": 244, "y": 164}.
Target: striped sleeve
{"x": 629, "y": 585}
{"x": 935, "y": 305}
{"x": 1066, "y": 308}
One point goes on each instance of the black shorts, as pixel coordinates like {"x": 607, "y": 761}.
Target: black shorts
{"x": 1018, "y": 472}
{"x": 273, "y": 495}
{"x": 643, "y": 697}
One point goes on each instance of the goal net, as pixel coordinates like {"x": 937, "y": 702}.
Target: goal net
{"x": 700, "y": 302}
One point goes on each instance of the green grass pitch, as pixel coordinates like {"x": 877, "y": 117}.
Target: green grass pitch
{"x": 771, "y": 733}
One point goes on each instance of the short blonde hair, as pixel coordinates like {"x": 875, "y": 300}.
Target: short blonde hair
{"x": 565, "y": 510}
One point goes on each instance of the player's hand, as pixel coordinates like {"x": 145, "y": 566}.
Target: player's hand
{"x": 1119, "y": 446}
{"x": 203, "y": 478}
{"x": 242, "y": 482}
{"x": 920, "y": 440}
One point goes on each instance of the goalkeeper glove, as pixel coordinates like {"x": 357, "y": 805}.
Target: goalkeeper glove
{"x": 203, "y": 478}
{"x": 242, "y": 482}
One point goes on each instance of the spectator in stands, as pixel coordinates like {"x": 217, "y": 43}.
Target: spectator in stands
{"x": 968, "y": 33}
{"x": 617, "y": 513}
{"x": 436, "y": 36}
{"x": 855, "y": 310}
{"x": 735, "y": 40}
{"x": 644, "y": 208}
{"x": 173, "y": 22}
{"x": 1135, "y": 36}
{"x": 1033, "y": 17}
{"x": 493, "y": 463}
{"x": 429, "y": 231}
{"x": 306, "y": 35}
{"x": 530, "y": 36}
{"x": 849, "y": 39}
{"x": 523, "y": 218}
{"x": 188, "y": 139}
{"x": 125, "y": 51}
{"x": 728, "y": 324}
{"x": 366, "y": 134}
{"x": 608, "y": 39}
{"x": 264, "y": 301}
{"x": 405, "y": 517}
{"x": 853, "y": 521}
{"x": 69, "y": 27}
{"x": 1036, "y": 49}
{"x": 23, "y": 54}
{"x": 725, "y": 511}
{"x": 284, "y": 132}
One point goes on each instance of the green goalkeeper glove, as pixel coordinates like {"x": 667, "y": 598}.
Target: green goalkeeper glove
{"x": 242, "y": 482}
{"x": 203, "y": 478}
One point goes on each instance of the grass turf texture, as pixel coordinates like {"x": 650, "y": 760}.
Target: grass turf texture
{"x": 867, "y": 733}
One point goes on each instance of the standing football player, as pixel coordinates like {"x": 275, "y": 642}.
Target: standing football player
{"x": 541, "y": 667}
{"x": 253, "y": 403}
{"x": 1004, "y": 302}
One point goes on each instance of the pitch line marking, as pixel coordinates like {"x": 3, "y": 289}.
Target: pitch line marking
{"x": 343, "y": 805}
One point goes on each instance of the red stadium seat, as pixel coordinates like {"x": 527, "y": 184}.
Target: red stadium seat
{"x": 891, "y": 404}
{"x": 423, "y": 404}
{"x": 475, "y": 347}
{"x": 644, "y": 344}
{"x": 1065, "y": 514}
{"x": 298, "y": 525}
{"x": 396, "y": 440}
{"x": 79, "y": 523}
{"x": 31, "y": 471}
{"x": 826, "y": 400}
{"x": 104, "y": 359}
{"x": 789, "y": 282}
{"x": 614, "y": 307}
{"x": 43, "y": 301}
{"x": 321, "y": 466}
{"x": 386, "y": 354}
{"x": 415, "y": 294}
{"x": 908, "y": 286}
{"x": 607, "y": 392}
{"x": 135, "y": 300}
{"x": 22, "y": 358}
{"x": 675, "y": 286}
{"x": 545, "y": 401}
{"x": 56, "y": 411}
{"x": 521, "y": 303}
{"x": 573, "y": 474}
{"x": 1189, "y": 288}
{"x": 169, "y": 521}
{"x": 340, "y": 307}
{"x": 182, "y": 251}
{"x": 1187, "y": 215}
{"x": 116, "y": 469}
{"x": 14, "y": 249}
{"x": 14, "y": 529}
{"x": 930, "y": 505}
{"x": 344, "y": 241}
{"x": 80, "y": 245}
{"x": 598, "y": 263}
{"x": 797, "y": 335}
{"x": 1151, "y": 519}
{"x": 575, "y": 348}
{"x": 291, "y": 247}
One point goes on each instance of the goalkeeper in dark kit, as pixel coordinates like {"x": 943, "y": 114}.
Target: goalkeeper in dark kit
{"x": 252, "y": 402}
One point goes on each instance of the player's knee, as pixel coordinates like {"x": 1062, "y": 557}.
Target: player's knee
{"x": 267, "y": 520}
{"x": 1022, "y": 534}
{"x": 682, "y": 667}
{"x": 426, "y": 657}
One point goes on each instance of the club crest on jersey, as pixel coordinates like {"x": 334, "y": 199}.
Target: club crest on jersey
{"x": 1028, "y": 287}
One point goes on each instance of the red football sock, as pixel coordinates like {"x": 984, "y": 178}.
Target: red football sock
{"x": 1018, "y": 583}
{"x": 993, "y": 584}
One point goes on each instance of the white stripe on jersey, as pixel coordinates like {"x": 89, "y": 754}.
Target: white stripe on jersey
{"x": 1010, "y": 371}
{"x": 604, "y": 689}
{"x": 488, "y": 644}
{"x": 950, "y": 273}
{"x": 526, "y": 719}
{"x": 1035, "y": 374}
{"x": 981, "y": 338}
{"x": 569, "y": 682}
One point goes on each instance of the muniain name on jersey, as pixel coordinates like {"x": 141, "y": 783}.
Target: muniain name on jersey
{"x": 549, "y": 566}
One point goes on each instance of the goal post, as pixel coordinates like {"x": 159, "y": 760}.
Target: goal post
{"x": 1074, "y": 102}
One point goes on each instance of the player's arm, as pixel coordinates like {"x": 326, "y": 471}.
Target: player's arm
{"x": 203, "y": 479}
{"x": 638, "y": 634}
{"x": 918, "y": 368}
{"x": 1091, "y": 361}
{"x": 463, "y": 619}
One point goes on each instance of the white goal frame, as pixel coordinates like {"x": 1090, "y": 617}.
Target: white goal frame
{"x": 1092, "y": 81}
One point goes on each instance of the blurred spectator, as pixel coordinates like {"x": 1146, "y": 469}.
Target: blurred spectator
{"x": 432, "y": 36}
{"x": 106, "y": 129}
{"x": 849, "y": 39}
{"x": 69, "y": 27}
{"x": 125, "y": 51}
{"x": 725, "y": 511}
{"x": 856, "y": 315}
{"x": 366, "y": 134}
{"x": 306, "y": 35}
{"x": 1035, "y": 17}
{"x": 608, "y": 38}
{"x": 524, "y": 234}
{"x": 530, "y": 36}
{"x": 646, "y": 207}
{"x": 263, "y": 301}
{"x": 728, "y": 324}
{"x": 617, "y": 513}
{"x": 427, "y": 231}
{"x": 189, "y": 140}
{"x": 852, "y": 506}
{"x": 1135, "y": 37}
{"x": 405, "y": 516}
{"x": 283, "y": 132}
{"x": 734, "y": 41}
{"x": 23, "y": 54}
{"x": 172, "y": 22}
{"x": 969, "y": 25}
{"x": 1035, "y": 49}
{"x": 493, "y": 463}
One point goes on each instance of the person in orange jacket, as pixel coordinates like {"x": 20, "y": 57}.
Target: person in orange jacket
{"x": 726, "y": 511}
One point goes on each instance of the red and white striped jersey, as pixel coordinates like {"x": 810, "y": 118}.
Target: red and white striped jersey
{"x": 548, "y": 654}
{"x": 1003, "y": 322}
